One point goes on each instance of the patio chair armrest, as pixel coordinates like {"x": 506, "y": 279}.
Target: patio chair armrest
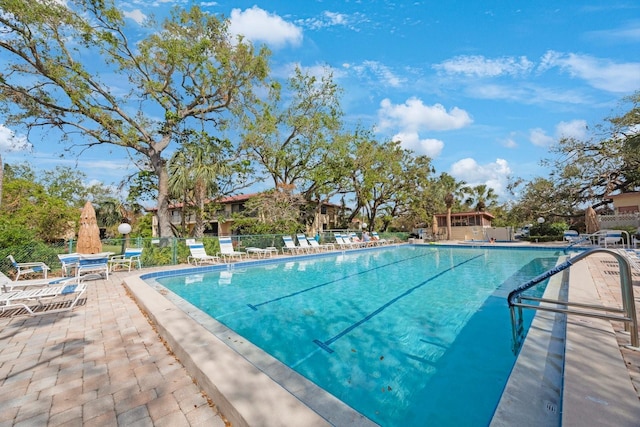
{"x": 32, "y": 264}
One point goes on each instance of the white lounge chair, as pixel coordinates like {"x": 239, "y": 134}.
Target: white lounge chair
{"x": 289, "y": 245}
{"x": 610, "y": 238}
{"x": 8, "y": 285}
{"x": 344, "y": 241}
{"x": 357, "y": 242}
{"x": 261, "y": 252}
{"x": 227, "y": 250}
{"x": 376, "y": 238}
{"x": 319, "y": 247}
{"x": 130, "y": 257}
{"x": 199, "y": 256}
{"x": 93, "y": 264}
{"x": 69, "y": 262}
{"x": 28, "y": 267}
{"x": 58, "y": 295}
{"x": 571, "y": 236}
{"x": 304, "y": 244}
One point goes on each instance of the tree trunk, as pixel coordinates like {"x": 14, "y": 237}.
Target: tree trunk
{"x": 1, "y": 179}
{"x": 449, "y": 223}
{"x": 164, "y": 217}
{"x": 198, "y": 231}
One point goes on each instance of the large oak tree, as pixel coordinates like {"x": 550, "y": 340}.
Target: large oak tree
{"x": 70, "y": 66}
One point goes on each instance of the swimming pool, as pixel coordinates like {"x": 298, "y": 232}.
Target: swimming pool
{"x": 405, "y": 335}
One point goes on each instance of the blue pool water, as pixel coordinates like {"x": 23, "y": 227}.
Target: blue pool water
{"x": 409, "y": 335}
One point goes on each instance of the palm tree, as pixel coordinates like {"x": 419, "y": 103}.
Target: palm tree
{"x": 197, "y": 167}
{"x": 480, "y": 195}
{"x": 448, "y": 201}
{"x": 451, "y": 189}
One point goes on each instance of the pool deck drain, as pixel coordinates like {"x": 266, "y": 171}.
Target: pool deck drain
{"x": 103, "y": 363}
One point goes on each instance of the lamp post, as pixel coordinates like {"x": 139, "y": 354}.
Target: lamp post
{"x": 540, "y": 222}
{"x": 124, "y": 229}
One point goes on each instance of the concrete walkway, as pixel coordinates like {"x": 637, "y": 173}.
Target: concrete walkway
{"x": 605, "y": 273}
{"x": 101, "y": 364}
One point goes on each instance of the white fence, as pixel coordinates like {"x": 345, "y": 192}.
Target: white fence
{"x": 619, "y": 220}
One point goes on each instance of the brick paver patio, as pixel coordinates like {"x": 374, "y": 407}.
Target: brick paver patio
{"x": 101, "y": 364}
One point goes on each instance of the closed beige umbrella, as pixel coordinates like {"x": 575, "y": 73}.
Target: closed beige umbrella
{"x": 434, "y": 227}
{"x": 89, "y": 234}
{"x": 591, "y": 220}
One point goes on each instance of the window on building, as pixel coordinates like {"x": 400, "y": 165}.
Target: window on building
{"x": 627, "y": 209}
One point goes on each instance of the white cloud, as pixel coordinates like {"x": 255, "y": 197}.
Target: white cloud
{"x": 9, "y": 141}
{"x": 600, "y": 73}
{"x": 494, "y": 175}
{"x": 413, "y": 116}
{"x": 574, "y": 129}
{"x": 333, "y": 19}
{"x": 510, "y": 142}
{"x": 319, "y": 71}
{"x": 628, "y": 33}
{"x": 258, "y": 25}
{"x": 528, "y": 94}
{"x": 136, "y": 15}
{"x": 382, "y": 73}
{"x": 539, "y": 137}
{"x": 411, "y": 141}
{"x": 479, "y": 66}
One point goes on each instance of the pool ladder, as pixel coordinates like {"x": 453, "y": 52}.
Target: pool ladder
{"x": 627, "y": 314}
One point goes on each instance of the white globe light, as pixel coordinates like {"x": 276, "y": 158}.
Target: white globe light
{"x": 124, "y": 228}
{"x": 364, "y": 225}
{"x": 540, "y": 220}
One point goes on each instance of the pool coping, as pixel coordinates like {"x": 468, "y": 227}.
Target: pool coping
{"x": 217, "y": 358}
{"x": 248, "y": 396}
{"x": 570, "y": 370}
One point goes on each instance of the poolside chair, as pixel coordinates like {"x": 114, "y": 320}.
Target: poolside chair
{"x": 610, "y": 238}
{"x": 93, "y": 264}
{"x": 8, "y": 285}
{"x": 304, "y": 245}
{"x": 130, "y": 257}
{"x": 571, "y": 236}
{"x": 376, "y": 238}
{"x": 343, "y": 241}
{"x": 321, "y": 247}
{"x": 57, "y": 296}
{"x": 68, "y": 262}
{"x": 199, "y": 255}
{"x": 289, "y": 245}
{"x": 261, "y": 252}
{"x": 227, "y": 250}
{"x": 357, "y": 241}
{"x": 28, "y": 267}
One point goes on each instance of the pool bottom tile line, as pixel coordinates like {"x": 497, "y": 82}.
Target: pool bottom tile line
{"x": 254, "y": 307}
{"x": 325, "y": 344}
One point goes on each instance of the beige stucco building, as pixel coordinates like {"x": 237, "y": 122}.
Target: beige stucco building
{"x": 626, "y": 203}
{"x": 221, "y": 223}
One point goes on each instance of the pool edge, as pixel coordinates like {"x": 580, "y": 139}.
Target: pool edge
{"x": 243, "y": 393}
{"x": 596, "y": 388}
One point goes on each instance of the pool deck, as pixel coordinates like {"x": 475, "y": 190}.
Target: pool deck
{"x": 100, "y": 364}
{"x": 110, "y": 362}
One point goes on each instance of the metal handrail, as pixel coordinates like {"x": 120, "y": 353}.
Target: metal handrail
{"x": 629, "y": 316}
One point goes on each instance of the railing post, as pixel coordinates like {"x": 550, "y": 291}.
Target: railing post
{"x": 628, "y": 302}
{"x": 630, "y": 318}
{"x": 174, "y": 250}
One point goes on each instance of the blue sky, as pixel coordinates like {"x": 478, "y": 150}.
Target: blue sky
{"x": 483, "y": 88}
